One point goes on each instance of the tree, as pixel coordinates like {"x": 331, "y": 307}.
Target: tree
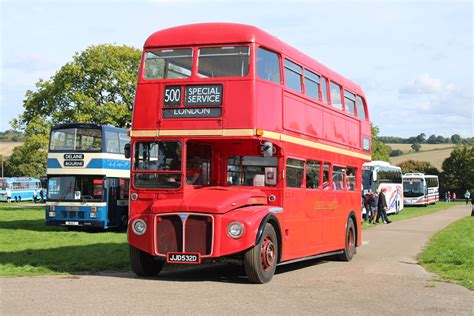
{"x": 29, "y": 160}
{"x": 416, "y": 147}
{"x": 396, "y": 152}
{"x": 418, "y": 166}
{"x": 380, "y": 151}
{"x": 431, "y": 139}
{"x": 97, "y": 86}
{"x": 456, "y": 139}
{"x": 421, "y": 138}
{"x": 458, "y": 169}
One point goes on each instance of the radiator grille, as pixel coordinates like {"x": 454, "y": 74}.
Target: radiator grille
{"x": 185, "y": 233}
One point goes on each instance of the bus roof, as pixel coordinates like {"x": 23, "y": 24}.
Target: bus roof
{"x": 88, "y": 125}
{"x": 232, "y": 33}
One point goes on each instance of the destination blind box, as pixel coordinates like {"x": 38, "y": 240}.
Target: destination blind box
{"x": 73, "y": 160}
{"x": 193, "y": 101}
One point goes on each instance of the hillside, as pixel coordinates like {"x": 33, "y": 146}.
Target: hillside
{"x": 434, "y": 153}
{"x": 6, "y": 148}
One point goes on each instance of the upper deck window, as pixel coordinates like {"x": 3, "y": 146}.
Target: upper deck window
{"x": 268, "y": 65}
{"x": 227, "y": 61}
{"x": 336, "y": 96}
{"x": 324, "y": 90}
{"x": 293, "y": 74}
{"x": 360, "y": 108}
{"x": 349, "y": 100}
{"x": 168, "y": 63}
{"x": 80, "y": 139}
{"x": 311, "y": 83}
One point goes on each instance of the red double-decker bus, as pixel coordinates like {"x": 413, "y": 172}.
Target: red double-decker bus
{"x": 245, "y": 148}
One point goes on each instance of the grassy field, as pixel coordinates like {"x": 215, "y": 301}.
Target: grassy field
{"x": 450, "y": 253}
{"x": 434, "y": 153}
{"x": 29, "y": 247}
{"x": 6, "y": 148}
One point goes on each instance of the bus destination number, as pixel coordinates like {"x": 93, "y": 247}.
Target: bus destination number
{"x": 180, "y": 257}
{"x": 172, "y": 96}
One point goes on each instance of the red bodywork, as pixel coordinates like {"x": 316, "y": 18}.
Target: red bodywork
{"x": 308, "y": 221}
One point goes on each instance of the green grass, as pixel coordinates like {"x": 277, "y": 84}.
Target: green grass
{"x": 29, "y": 247}
{"x": 414, "y": 211}
{"x": 450, "y": 253}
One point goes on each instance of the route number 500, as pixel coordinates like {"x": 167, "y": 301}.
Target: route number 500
{"x": 172, "y": 95}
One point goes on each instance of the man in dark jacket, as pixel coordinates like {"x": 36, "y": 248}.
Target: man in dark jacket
{"x": 382, "y": 207}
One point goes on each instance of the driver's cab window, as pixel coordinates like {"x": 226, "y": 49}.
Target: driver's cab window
{"x": 198, "y": 163}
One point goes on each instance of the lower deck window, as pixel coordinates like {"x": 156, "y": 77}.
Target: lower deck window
{"x": 252, "y": 171}
{"x": 294, "y": 173}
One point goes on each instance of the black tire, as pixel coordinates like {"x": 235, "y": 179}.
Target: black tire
{"x": 124, "y": 221}
{"x": 260, "y": 261}
{"x": 143, "y": 264}
{"x": 350, "y": 247}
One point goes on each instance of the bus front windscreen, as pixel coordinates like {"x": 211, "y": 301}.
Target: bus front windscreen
{"x": 76, "y": 139}
{"x": 413, "y": 187}
{"x": 71, "y": 188}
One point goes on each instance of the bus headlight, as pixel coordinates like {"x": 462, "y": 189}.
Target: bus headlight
{"x": 51, "y": 214}
{"x": 139, "y": 227}
{"x": 134, "y": 196}
{"x": 235, "y": 230}
{"x": 93, "y": 214}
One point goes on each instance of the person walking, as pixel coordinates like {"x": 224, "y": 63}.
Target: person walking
{"x": 374, "y": 199}
{"x": 467, "y": 196}
{"x": 454, "y": 197}
{"x": 448, "y": 197}
{"x": 42, "y": 196}
{"x": 35, "y": 195}
{"x": 382, "y": 207}
{"x": 9, "y": 195}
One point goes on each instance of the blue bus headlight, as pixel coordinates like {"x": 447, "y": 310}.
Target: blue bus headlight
{"x": 51, "y": 214}
{"x": 235, "y": 230}
{"x": 139, "y": 227}
{"x": 93, "y": 215}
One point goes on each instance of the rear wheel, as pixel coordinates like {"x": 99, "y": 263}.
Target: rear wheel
{"x": 260, "y": 261}
{"x": 350, "y": 247}
{"x": 143, "y": 264}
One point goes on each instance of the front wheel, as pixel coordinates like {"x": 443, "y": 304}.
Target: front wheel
{"x": 349, "y": 249}
{"x": 260, "y": 261}
{"x": 143, "y": 264}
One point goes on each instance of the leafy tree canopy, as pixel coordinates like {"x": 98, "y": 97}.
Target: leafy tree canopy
{"x": 458, "y": 169}
{"x": 97, "y": 86}
{"x": 29, "y": 160}
{"x": 380, "y": 151}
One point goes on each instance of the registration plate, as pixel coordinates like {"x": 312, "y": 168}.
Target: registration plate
{"x": 183, "y": 257}
{"x": 72, "y": 223}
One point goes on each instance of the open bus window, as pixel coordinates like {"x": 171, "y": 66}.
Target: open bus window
{"x": 64, "y": 188}
{"x": 294, "y": 173}
{"x": 198, "y": 163}
{"x": 338, "y": 174}
{"x": 168, "y": 63}
{"x": 252, "y": 171}
{"x": 227, "y": 61}
{"x": 351, "y": 178}
{"x": 312, "y": 174}
{"x": 81, "y": 139}
{"x": 326, "y": 170}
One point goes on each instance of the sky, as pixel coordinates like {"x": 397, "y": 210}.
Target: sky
{"x": 413, "y": 59}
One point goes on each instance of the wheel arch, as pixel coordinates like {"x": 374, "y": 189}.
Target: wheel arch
{"x": 271, "y": 219}
{"x": 356, "y": 226}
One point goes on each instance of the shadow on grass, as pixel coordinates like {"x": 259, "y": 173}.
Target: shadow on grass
{"x": 71, "y": 259}
{"x": 38, "y": 225}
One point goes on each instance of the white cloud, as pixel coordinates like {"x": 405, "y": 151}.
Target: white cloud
{"x": 425, "y": 84}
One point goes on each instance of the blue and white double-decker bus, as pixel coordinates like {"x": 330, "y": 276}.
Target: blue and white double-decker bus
{"x": 19, "y": 189}
{"x": 88, "y": 176}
